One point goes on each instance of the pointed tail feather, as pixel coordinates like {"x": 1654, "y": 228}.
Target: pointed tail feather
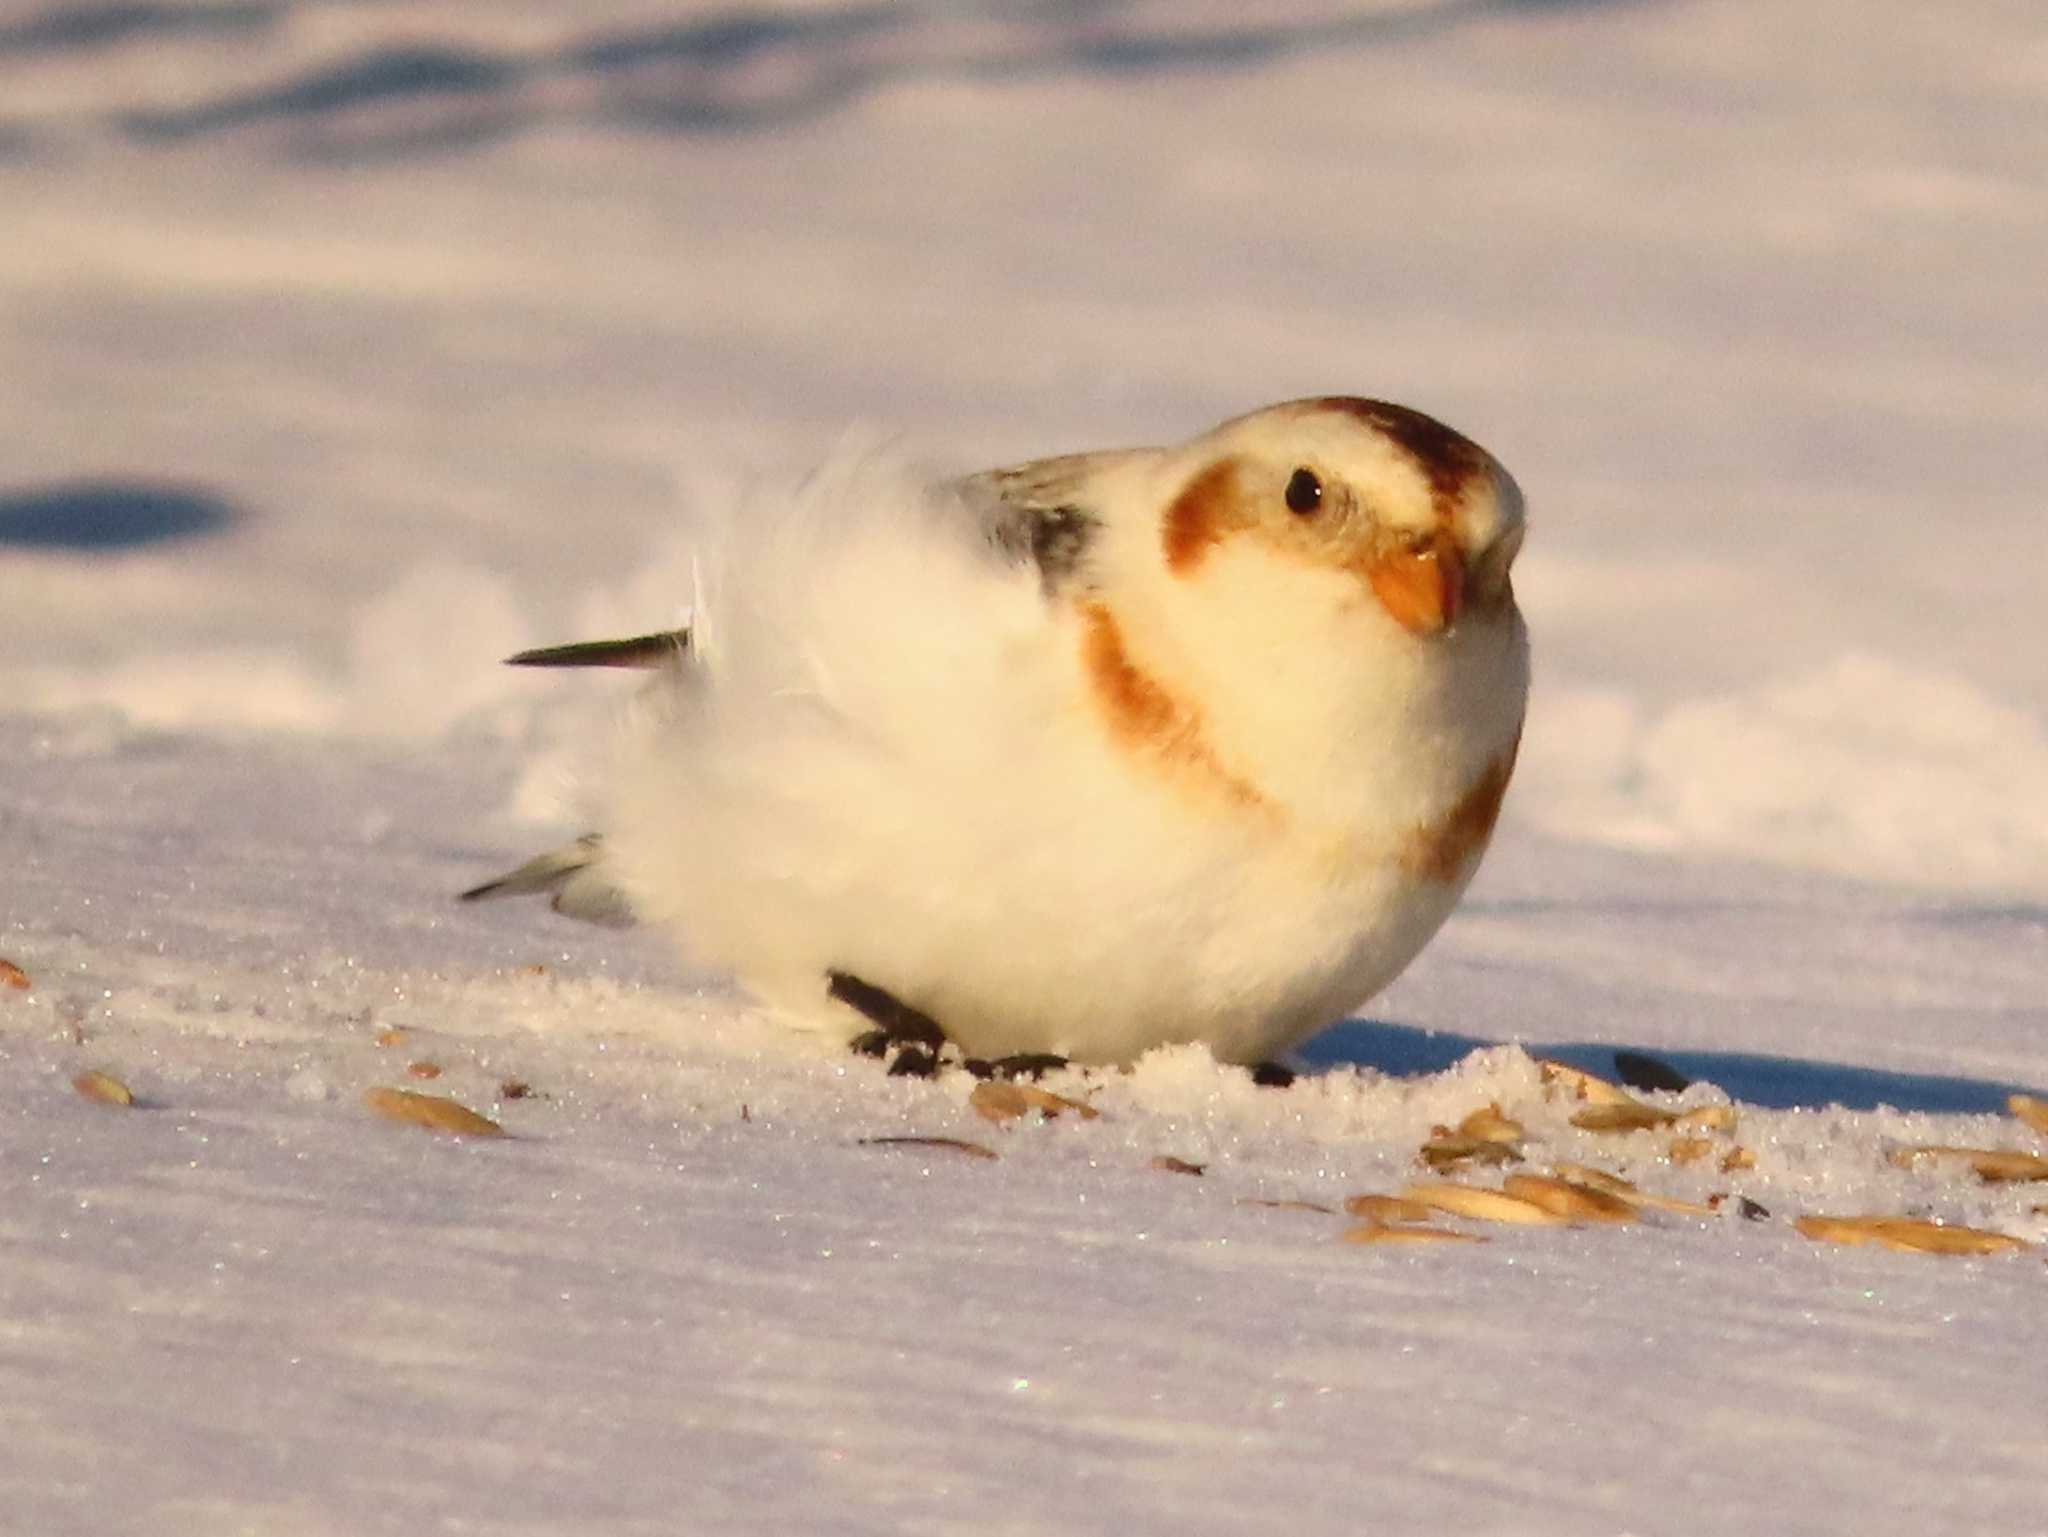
{"x": 573, "y": 876}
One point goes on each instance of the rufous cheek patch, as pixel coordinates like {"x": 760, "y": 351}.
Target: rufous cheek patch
{"x": 1208, "y": 510}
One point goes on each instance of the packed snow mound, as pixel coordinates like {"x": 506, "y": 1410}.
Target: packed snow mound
{"x": 1864, "y": 767}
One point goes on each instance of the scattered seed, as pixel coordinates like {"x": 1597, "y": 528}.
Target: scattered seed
{"x": 1752, "y": 1211}
{"x": 1907, "y": 1233}
{"x": 1577, "y": 1203}
{"x": 1374, "y": 1232}
{"x": 1488, "y": 1122}
{"x": 1486, "y": 1137}
{"x": 1853, "y": 1231}
{"x": 423, "y": 1069}
{"x": 1738, "y": 1159}
{"x": 1622, "y": 1114}
{"x": 103, "y": 1089}
{"x": 431, "y": 1111}
{"x": 1595, "y": 1179}
{"x": 392, "y": 1037}
{"x": 1003, "y": 1099}
{"x": 2029, "y": 1109}
{"x": 1388, "y": 1208}
{"x": 1708, "y": 1118}
{"x": 1581, "y": 1084}
{"x": 1485, "y": 1205}
{"x": 1052, "y": 1104}
{"x": 519, "y": 1088}
{"x": 1992, "y": 1164}
{"x": 1172, "y": 1165}
{"x": 1272, "y": 1205}
{"x": 1447, "y": 1150}
{"x": 1615, "y": 1185}
{"x": 994, "y": 1099}
{"x": 972, "y": 1149}
{"x": 13, "y": 976}
{"x": 1689, "y": 1149}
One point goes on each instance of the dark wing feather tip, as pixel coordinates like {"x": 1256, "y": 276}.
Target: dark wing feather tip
{"x": 638, "y": 651}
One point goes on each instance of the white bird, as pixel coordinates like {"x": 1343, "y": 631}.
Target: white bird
{"x": 1082, "y": 756}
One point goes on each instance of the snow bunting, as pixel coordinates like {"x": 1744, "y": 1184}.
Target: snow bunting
{"x": 1082, "y": 756}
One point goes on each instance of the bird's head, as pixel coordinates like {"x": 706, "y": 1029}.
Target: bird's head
{"x": 1425, "y": 519}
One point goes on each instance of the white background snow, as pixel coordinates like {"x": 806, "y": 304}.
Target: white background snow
{"x": 349, "y": 345}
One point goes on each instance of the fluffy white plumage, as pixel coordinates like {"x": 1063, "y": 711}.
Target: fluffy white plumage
{"x": 1089, "y": 755}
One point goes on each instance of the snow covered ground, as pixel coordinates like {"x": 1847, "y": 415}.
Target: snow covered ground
{"x": 351, "y": 345}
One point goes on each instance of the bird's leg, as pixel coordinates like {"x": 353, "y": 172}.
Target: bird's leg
{"x": 1025, "y": 1064}
{"x": 896, "y": 1024}
{"x": 917, "y": 1038}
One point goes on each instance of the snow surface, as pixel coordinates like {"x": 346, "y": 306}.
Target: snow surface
{"x": 353, "y": 345}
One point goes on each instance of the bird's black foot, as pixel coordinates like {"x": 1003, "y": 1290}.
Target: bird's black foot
{"x": 1271, "y": 1075}
{"x": 914, "y": 1062}
{"x": 1025, "y": 1064}
{"x": 913, "y": 1034}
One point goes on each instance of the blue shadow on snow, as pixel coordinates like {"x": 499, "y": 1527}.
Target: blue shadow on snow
{"x": 741, "y": 69}
{"x": 1774, "y": 1083}
{"x": 108, "y": 514}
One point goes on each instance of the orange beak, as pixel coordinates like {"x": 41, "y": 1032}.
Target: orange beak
{"x": 1423, "y": 588}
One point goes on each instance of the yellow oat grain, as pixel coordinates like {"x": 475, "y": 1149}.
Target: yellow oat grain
{"x": 1615, "y": 1185}
{"x": 1708, "y": 1118}
{"x": 1623, "y": 1114}
{"x": 1909, "y": 1234}
{"x": 1575, "y": 1203}
{"x": 1449, "y": 1149}
{"x": 1993, "y": 1165}
{"x": 104, "y": 1089}
{"x": 433, "y": 1112}
{"x": 1388, "y": 1208}
{"x": 999, "y": 1100}
{"x": 1580, "y": 1084}
{"x": 1489, "y": 1123}
{"x": 1482, "y": 1204}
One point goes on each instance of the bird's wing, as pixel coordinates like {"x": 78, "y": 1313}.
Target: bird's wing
{"x": 639, "y": 651}
{"x": 1040, "y": 513}
{"x": 574, "y": 879}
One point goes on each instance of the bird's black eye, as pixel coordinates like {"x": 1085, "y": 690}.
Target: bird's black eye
{"x": 1304, "y": 492}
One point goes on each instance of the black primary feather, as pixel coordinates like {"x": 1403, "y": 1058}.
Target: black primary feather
{"x": 640, "y": 651}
